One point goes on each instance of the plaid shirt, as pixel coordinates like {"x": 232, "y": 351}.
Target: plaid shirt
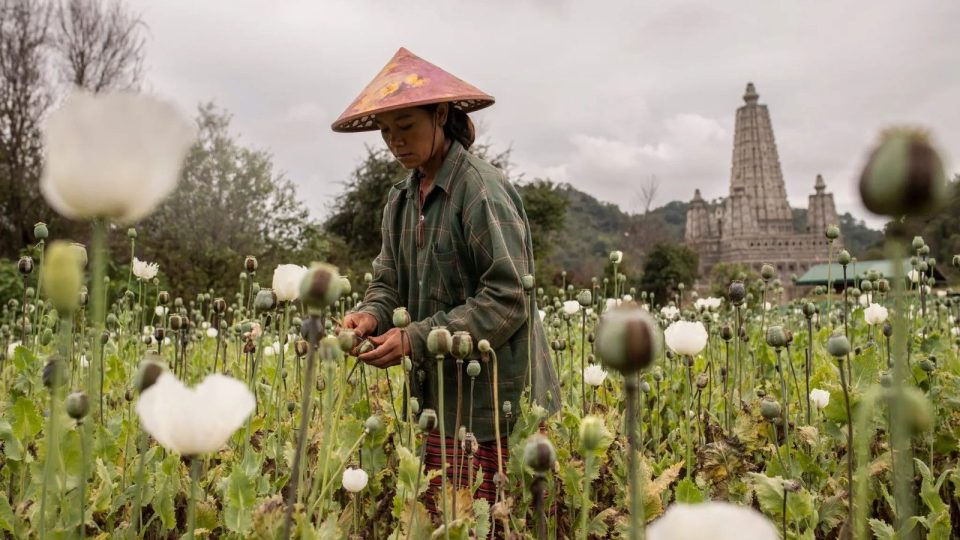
{"x": 457, "y": 262}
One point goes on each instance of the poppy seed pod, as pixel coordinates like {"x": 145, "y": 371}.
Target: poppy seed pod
{"x": 265, "y": 300}
{"x": 159, "y": 333}
{"x": 53, "y": 373}
{"x": 428, "y": 420}
{"x": 866, "y": 286}
{"x": 401, "y": 317}
{"x": 40, "y": 231}
{"x": 250, "y": 264}
{"x": 838, "y": 345}
{"x": 737, "y": 292}
{"x": 320, "y": 287}
{"x": 761, "y": 393}
{"x": 539, "y": 454}
{"x": 926, "y": 365}
{"x": 104, "y": 337}
{"x": 956, "y": 261}
{"x": 368, "y": 278}
{"x": 769, "y": 408}
{"x": 484, "y": 346}
{"x": 776, "y": 337}
{"x": 147, "y": 374}
{"x": 528, "y": 282}
{"x": 62, "y": 276}
{"x": 301, "y": 347}
{"x": 767, "y": 272}
{"x": 461, "y": 345}
{"x": 843, "y": 257}
{"x": 592, "y": 433}
{"x": 414, "y": 405}
{"x": 473, "y": 368}
{"x": 702, "y": 381}
{"x": 627, "y": 340}
{"x": 25, "y": 266}
{"x": 348, "y": 340}
{"x": 585, "y": 298}
{"x": 883, "y": 285}
{"x": 439, "y": 341}
{"x": 470, "y": 445}
{"x": 616, "y": 257}
{"x": 77, "y": 405}
{"x": 373, "y": 424}
{"x": 365, "y": 347}
{"x": 176, "y": 322}
{"x": 904, "y": 175}
{"x": 832, "y": 232}
{"x": 219, "y": 305}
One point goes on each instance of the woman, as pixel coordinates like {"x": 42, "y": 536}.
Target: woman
{"x": 455, "y": 245}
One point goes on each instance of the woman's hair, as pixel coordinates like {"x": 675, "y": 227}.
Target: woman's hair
{"x": 459, "y": 127}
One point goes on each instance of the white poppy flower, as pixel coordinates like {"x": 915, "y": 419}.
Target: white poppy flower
{"x": 83, "y": 361}
{"x": 767, "y": 306}
{"x": 570, "y": 307}
{"x": 286, "y": 281}
{"x": 12, "y": 348}
{"x": 670, "y": 312}
{"x": 594, "y": 375}
{"x": 543, "y": 314}
{"x": 875, "y": 314}
{"x": 197, "y": 420}
{"x": 955, "y": 331}
{"x": 354, "y": 479}
{"x": 941, "y": 294}
{"x": 112, "y": 155}
{"x": 212, "y": 332}
{"x": 612, "y": 303}
{"x": 160, "y": 311}
{"x": 685, "y": 337}
{"x": 204, "y": 325}
{"x": 714, "y": 520}
{"x": 145, "y": 271}
{"x": 710, "y": 302}
{"x": 627, "y": 298}
{"x": 863, "y": 300}
{"x": 820, "y": 398}
{"x": 914, "y": 276}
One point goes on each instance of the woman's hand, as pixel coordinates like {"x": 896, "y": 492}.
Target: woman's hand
{"x": 389, "y": 349}
{"x": 363, "y": 324}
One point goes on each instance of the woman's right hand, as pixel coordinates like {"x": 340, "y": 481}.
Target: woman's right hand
{"x": 362, "y": 323}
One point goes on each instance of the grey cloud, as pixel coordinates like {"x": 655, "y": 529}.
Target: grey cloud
{"x": 599, "y": 94}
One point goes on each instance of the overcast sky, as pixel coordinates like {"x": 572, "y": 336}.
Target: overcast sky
{"x": 598, "y": 94}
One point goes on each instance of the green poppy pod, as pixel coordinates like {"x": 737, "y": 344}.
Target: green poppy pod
{"x": 627, "y": 340}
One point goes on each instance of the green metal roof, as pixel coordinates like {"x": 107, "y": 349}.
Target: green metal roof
{"x": 817, "y": 275}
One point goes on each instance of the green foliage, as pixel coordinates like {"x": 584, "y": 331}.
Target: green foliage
{"x": 667, "y": 266}
{"x": 229, "y": 203}
{"x": 546, "y": 209}
{"x": 941, "y": 231}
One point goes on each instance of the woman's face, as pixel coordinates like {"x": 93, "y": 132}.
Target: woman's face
{"x": 412, "y": 134}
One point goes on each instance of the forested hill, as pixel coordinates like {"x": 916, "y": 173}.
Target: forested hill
{"x": 593, "y": 228}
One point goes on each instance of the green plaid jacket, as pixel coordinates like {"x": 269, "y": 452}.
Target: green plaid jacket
{"x": 464, "y": 273}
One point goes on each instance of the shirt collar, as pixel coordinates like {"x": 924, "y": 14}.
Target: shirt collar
{"x": 444, "y": 175}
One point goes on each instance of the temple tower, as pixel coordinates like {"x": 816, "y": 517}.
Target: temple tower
{"x": 755, "y": 173}
{"x": 821, "y": 210}
{"x": 699, "y": 221}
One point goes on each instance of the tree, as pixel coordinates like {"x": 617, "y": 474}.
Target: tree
{"x": 229, "y": 203}
{"x": 941, "y": 231}
{"x": 99, "y": 47}
{"x": 722, "y": 274}
{"x": 546, "y": 209}
{"x": 24, "y": 99}
{"x": 666, "y": 266}
{"x": 90, "y": 45}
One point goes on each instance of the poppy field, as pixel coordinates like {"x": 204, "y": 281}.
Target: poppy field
{"x": 131, "y": 412}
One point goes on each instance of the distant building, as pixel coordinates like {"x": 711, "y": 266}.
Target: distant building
{"x": 754, "y": 224}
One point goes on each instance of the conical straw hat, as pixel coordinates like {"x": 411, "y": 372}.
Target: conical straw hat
{"x": 408, "y": 81}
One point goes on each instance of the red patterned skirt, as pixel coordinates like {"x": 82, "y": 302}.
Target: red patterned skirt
{"x": 485, "y": 460}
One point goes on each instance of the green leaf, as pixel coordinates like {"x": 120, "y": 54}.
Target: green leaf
{"x": 7, "y": 519}
{"x": 882, "y": 530}
{"x": 25, "y": 420}
{"x": 12, "y": 448}
{"x": 239, "y": 497}
{"x": 688, "y": 492}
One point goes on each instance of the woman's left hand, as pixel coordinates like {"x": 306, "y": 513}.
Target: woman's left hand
{"x": 389, "y": 350}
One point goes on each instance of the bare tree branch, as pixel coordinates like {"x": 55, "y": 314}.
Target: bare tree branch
{"x": 99, "y": 46}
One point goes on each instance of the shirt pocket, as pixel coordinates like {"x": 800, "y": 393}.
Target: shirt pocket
{"x": 448, "y": 286}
